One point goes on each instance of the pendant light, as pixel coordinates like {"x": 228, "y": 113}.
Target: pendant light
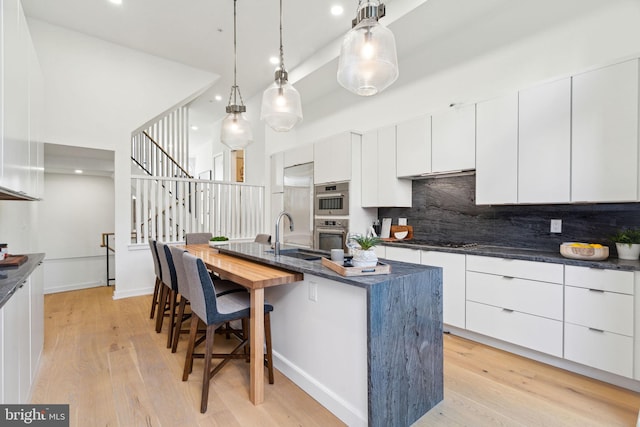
{"x": 236, "y": 130}
{"x": 281, "y": 106}
{"x": 368, "y": 62}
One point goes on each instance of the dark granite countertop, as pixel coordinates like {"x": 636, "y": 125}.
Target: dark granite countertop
{"x": 12, "y": 277}
{"x": 264, "y": 254}
{"x": 524, "y": 254}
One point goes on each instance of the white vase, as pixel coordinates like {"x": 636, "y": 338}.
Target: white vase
{"x": 628, "y": 251}
{"x": 366, "y": 258}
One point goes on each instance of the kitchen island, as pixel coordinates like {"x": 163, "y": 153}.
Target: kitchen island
{"x": 369, "y": 348}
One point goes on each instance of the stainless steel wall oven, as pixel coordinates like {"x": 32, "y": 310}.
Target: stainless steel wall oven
{"x": 331, "y": 234}
{"x": 332, "y": 199}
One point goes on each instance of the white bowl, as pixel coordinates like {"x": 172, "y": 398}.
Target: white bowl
{"x": 400, "y": 234}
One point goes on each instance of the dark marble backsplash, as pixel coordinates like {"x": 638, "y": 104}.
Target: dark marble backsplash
{"x": 444, "y": 210}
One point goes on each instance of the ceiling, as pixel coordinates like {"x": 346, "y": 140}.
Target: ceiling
{"x": 199, "y": 33}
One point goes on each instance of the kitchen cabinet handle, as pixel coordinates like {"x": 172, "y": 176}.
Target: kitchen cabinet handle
{"x": 597, "y": 330}
{"x": 507, "y": 277}
{"x": 600, "y": 291}
{"x": 508, "y": 310}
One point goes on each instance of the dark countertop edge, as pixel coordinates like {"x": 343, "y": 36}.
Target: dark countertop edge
{"x": 257, "y": 252}
{"x": 15, "y": 276}
{"x": 525, "y": 254}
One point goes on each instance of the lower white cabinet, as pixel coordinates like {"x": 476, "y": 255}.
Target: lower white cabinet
{"x": 453, "y": 284}
{"x": 516, "y": 301}
{"x": 599, "y": 319}
{"x": 534, "y": 332}
{"x": 403, "y": 254}
{"x": 21, "y": 339}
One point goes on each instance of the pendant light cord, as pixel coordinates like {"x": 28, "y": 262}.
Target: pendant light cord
{"x": 281, "y": 48}
{"x": 235, "y": 90}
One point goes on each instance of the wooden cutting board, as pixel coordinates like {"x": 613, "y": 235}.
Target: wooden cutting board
{"x": 397, "y": 228}
{"x": 13, "y": 261}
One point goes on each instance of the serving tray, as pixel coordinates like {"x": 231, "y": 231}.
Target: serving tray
{"x": 13, "y": 261}
{"x": 339, "y": 268}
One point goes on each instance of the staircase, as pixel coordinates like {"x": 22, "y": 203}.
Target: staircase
{"x": 167, "y": 202}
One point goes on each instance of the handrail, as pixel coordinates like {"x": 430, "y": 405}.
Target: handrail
{"x": 105, "y": 244}
{"x": 144, "y": 132}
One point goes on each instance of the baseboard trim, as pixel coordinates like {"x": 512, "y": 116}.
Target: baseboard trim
{"x": 132, "y": 293}
{"x": 327, "y": 398}
{"x": 73, "y": 287}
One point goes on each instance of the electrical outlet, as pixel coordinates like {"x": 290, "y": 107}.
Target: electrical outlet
{"x": 313, "y": 291}
{"x": 556, "y": 226}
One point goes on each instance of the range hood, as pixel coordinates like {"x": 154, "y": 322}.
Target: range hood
{"x": 448, "y": 174}
{"x": 7, "y": 194}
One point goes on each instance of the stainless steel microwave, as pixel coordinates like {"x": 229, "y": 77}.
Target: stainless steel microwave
{"x": 332, "y": 199}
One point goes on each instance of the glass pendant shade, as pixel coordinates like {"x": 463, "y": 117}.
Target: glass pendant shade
{"x": 281, "y": 106}
{"x": 368, "y": 61}
{"x": 236, "y": 131}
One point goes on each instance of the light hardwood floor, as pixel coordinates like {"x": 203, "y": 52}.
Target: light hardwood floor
{"x": 104, "y": 358}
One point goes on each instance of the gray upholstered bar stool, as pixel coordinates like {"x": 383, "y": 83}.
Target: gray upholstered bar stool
{"x": 156, "y": 266}
{"x": 213, "y": 311}
{"x": 197, "y": 238}
{"x": 169, "y": 292}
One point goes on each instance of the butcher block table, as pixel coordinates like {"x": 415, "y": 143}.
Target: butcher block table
{"x": 255, "y": 277}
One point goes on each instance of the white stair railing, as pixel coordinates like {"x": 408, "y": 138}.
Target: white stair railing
{"x": 165, "y": 208}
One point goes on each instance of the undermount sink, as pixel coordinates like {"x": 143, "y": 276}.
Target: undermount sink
{"x": 300, "y": 254}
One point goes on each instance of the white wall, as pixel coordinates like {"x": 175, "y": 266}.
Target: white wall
{"x": 74, "y": 212}
{"x": 97, "y": 93}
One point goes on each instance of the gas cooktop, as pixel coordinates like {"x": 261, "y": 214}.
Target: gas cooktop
{"x": 442, "y": 244}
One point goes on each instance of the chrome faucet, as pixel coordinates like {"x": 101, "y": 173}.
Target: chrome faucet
{"x": 276, "y": 246}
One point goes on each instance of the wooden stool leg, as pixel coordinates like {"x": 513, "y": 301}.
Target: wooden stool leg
{"x": 176, "y": 333}
{"x": 188, "y": 361}
{"x": 269, "y": 355}
{"x": 211, "y": 331}
{"x": 154, "y": 301}
{"x": 161, "y": 305}
{"x": 173, "y": 297}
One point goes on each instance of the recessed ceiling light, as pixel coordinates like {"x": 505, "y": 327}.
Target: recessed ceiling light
{"x": 337, "y": 10}
{"x": 274, "y": 60}
{"x": 78, "y": 171}
{"x": 194, "y": 127}
{"x": 116, "y": 1}
{"x": 218, "y": 97}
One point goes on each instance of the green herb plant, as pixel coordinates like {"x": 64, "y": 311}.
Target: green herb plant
{"x": 628, "y": 236}
{"x": 367, "y": 242}
{"x": 219, "y": 239}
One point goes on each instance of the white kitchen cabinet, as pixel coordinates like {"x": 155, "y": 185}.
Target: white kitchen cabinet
{"x": 298, "y": 155}
{"x": 15, "y": 96}
{"x": 453, "y": 284}
{"x": 16, "y": 376}
{"x": 277, "y": 172}
{"x": 497, "y": 151}
{"x": 380, "y": 186}
{"x": 36, "y": 310}
{"x": 544, "y": 143}
{"x": 517, "y": 301}
{"x": 413, "y": 145}
{"x": 453, "y": 139}
{"x": 604, "y": 154}
{"x": 332, "y": 159}
{"x": 403, "y": 254}
{"x": 600, "y": 318}
{"x": 534, "y": 332}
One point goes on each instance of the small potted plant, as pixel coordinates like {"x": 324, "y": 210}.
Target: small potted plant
{"x": 628, "y": 243}
{"x": 218, "y": 240}
{"x": 365, "y": 256}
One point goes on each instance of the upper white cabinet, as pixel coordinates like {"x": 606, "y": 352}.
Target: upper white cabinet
{"x": 497, "y": 151}
{"x": 604, "y": 156}
{"x": 544, "y": 143}
{"x": 298, "y": 155}
{"x": 413, "y": 143}
{"x": 332, "y": 159}
{"x": 453, "y": 139}
{"x": 277, "y": 172}
{"x": 380, "y": 186}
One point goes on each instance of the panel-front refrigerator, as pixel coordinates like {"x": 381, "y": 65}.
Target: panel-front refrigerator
{"x": 298, "y": 202}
